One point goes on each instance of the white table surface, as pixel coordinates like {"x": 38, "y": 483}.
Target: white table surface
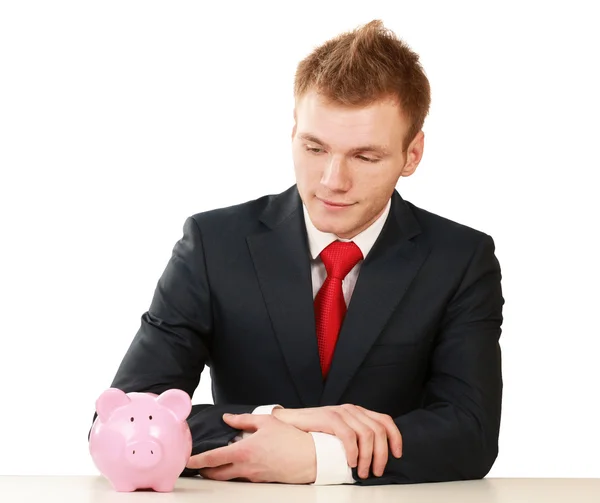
{"x": 95, "y": 489}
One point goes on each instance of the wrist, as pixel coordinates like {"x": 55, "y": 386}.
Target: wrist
{"x": 279, "y": 412}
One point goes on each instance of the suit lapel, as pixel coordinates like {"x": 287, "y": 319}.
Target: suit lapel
{"x": 282, "y": 263}
{"x": 384, "y": 277}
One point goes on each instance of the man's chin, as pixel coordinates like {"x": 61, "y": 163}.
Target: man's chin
{"x": 329, "y": 222}
{"x": 325, "y": 225}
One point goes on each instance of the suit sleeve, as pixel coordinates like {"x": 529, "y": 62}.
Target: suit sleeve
{"x": 173, "y": 343}
{"x": 454, "y": 435}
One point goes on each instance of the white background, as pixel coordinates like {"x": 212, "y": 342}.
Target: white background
{"x": 118, "y": 119}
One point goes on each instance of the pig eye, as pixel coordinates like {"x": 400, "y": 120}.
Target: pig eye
{"x": 150, "y": 417}
{"x": 131, "y": 420}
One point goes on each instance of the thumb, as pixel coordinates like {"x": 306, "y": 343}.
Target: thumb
{"x": 246, "y": 422}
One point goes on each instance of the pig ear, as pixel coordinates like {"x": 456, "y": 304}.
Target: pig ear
{"x": 176, "y": 400}
{"x": 110, "y": 400}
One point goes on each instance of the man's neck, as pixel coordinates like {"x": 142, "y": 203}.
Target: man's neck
{"x": 318, "y": 240}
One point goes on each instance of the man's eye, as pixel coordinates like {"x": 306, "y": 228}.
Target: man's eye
{"x": 314, "y": 150}
{"x": 366, "y": 159}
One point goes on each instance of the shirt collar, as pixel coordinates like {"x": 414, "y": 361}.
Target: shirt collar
{"x": 318, "y": 241}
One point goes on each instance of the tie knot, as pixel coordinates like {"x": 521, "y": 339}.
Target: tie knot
{"x": 339, "y": 258}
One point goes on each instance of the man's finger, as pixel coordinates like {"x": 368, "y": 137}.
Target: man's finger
{"x": 246, "y": 422}
{"x": 365, "y": 437}
{"x": 225, "y": 472}
{"x": 216, "y": 457}
{"x": 343, "y": 430}
{"x": 393, "y": 433}
{"x": 380, "y": 441}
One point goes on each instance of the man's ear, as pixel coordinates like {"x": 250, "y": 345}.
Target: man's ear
{"x": 414, "y": 154}
{"x": 294, "y": 127}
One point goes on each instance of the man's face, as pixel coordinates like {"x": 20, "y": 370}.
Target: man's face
{"x": 348, "y": 160}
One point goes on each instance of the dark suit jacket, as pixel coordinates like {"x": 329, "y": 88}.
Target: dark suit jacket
{"x": 419, "y": 341}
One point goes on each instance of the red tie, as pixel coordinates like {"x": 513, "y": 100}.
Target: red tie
{"x": 330, "y": 308}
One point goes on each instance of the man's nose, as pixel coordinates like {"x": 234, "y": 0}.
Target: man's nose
{"x": 336, "y": 176}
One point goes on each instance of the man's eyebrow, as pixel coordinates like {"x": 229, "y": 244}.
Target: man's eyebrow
{"x": 365, "y": 148}
{"x": 376, "y": 149}
{"x": 313, "y": 139}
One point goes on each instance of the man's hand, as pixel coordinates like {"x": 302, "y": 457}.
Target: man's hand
{"x": 276, "y": 452}
{"x": 364, "y": 433}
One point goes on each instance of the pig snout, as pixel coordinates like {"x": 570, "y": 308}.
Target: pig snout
{"x": 144, "y": 454}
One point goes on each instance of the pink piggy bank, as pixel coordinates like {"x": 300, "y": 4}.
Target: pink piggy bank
{"x": 141, "y": 440}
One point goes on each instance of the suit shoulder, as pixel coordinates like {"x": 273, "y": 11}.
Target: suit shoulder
{"x": 242, "y": 216}
{"x": 453, "y": 245}
{"x": 440, "y": 229}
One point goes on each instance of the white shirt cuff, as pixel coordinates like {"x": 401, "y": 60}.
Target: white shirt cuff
{"x": 332, "y": 465}
{"x": 266, "y": 409}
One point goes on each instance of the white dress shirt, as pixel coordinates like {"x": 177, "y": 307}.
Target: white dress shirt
{"x": 332, "y": 466}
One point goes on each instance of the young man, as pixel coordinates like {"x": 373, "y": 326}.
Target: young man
{"x": 353, "y": 336}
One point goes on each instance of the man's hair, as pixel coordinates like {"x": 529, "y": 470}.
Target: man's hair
{"x": 365, "y": 65}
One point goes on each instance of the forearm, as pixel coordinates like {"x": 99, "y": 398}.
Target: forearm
{"x": 439, "y": 444}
